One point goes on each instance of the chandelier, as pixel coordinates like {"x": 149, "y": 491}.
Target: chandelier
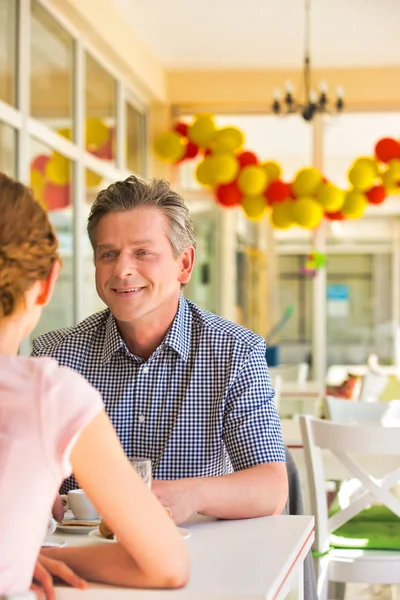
{"x": 314, "y": 102}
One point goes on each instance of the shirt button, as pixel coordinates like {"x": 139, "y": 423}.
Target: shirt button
{"x": 145, "y": 369}
{"x": 142, "y": 419}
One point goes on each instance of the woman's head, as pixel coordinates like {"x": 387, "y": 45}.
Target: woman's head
{"x": 28, "y": 250}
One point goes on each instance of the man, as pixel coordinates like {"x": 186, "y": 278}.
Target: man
{"x": 182, "y": 386}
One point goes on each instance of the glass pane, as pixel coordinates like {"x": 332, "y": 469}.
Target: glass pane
{"x": 100, "y": 94}
{"x": 51, "y": 71}
{"x": 350, "y": 136}
{"x": 94, "y": 183}
{"x": 7, "y": 150}
{"x": 135, "y": 147}
{"x": 51, "y": 181}
{"x": 8, "y": 46}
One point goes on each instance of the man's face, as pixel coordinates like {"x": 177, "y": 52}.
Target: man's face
{"x": 137, "y": 275}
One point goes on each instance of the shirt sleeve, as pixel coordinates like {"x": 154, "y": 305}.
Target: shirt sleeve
{"x": 68, "y": 404}
{"x": 252, "y": 430}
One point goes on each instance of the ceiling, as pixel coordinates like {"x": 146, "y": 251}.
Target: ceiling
{"x": 257, "y": 34}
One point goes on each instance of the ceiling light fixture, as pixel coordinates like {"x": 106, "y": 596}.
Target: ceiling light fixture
{"x": 314, "y": 102}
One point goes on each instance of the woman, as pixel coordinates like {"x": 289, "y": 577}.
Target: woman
{"x": 52, "y": 422}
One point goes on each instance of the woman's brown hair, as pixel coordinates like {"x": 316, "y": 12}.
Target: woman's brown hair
{"x": 28, "y": 244}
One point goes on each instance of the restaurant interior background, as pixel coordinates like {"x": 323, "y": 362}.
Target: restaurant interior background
{"x": 135, "y": 67}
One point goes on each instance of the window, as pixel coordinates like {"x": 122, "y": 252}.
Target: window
{"x": 135, "y": 143}
{"x": 7, "y": 150}
{"x": 8, "y": 47}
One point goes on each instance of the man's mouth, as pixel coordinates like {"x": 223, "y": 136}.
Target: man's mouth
{"x": 127, "y": 290}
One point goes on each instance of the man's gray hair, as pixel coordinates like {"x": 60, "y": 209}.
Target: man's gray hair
{"x": 136, "y": 193}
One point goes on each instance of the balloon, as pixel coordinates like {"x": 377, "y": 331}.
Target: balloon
{"x": 228, "y": 139}
{"x": 65, "y": 132}
{"x": 282, "y": 215}
{"x": 254, "y": 206}
{"x": 394, "y": 169}
{"x": 354, "y": 204}
{"x": 307, "y": 212}
{"x": 57, "y": 169}
{"x": 389, "y": 183}
{"x": 57, "y": 196}
{"x": 330, "y": 197}
{"x": 306, "y": 182}
{"x": 252, "y": 180}
{"x": 247, "y": 158}
{"x": 202, "y": 131}
{"x": 38, "y": 182}
{"x": 169, "y": 147}
{"x": 224, "y": 168}
{"x": 277, "y": 191}
{"x": 335, "y": 216}
{"x": 362, "y": 176}
{"x": 106, "y": 151}
{"x": 182, "y": 128}
{"x": 204, "y": 173}
{"x": 191, "y": 151}
{"x": 39, "y": 163}
{"x": 366, "y": 161}
{"x": 228, "y": 194}
{"x": 386, "y": 149}
{"x": 97, "y": 134}
{"x": 376, "y": 195}
{"x": 93, "y": 180}
{"x": 273, "y": 170}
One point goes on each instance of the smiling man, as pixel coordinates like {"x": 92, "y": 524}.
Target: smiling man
{"x": 182, "y": 386}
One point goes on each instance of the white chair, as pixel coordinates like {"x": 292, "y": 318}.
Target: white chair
{"x": 297, "y": 373}
{"x": 348, "y": 443}
{"x": 342, "y": 411}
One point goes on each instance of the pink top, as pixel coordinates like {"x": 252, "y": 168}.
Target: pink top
{"x": 43, "y": 408}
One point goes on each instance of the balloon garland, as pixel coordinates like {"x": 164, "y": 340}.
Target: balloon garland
{"x": 50, "y": 174}
{"x": 237, "y": 177}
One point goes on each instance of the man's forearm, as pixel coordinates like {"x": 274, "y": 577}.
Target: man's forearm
{"x": 254, "y": 492}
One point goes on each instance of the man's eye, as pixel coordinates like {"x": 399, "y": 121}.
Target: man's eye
{"x": 143, "y": 252}
{"x": 106, "y": 255}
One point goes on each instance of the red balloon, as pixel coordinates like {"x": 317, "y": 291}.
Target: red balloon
{"x": 105, "y": 151}
{"x": 39, "y": 163}
{"x": 376, "y": 194}
{"x": 191, "y": 150}
{"x": 277, "y": 191}
{"x": 207, "y": 152}
{"x": 57, "y": 196}
{"x": 228, "y": 194}
{"x": 387, "y": 149}
{"x": 335, "y": 216}
{"x": 247, "y": 158}
{"x": 181, "y": 128}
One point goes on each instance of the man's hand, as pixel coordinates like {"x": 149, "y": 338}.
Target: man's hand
{"x": 45, "y": 569}
{"x": 179, "y": 496}
{"x": 58, "y": 508}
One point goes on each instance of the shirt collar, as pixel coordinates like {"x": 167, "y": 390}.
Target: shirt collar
{"x": 178, "y": 336}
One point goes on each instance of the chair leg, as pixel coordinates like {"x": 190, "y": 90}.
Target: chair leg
{"x": 336, "y": 590}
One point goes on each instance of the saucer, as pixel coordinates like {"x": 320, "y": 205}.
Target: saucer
{"x": 77, "y": 528}
{"x": 95, "y": 534}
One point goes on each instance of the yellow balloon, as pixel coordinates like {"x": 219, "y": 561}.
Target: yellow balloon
{"x": 38, "y": 183}
{"x": 307, "y": 212}
{"x": 252, "y": 180}
{"x": 57, "y": 169}
{"x": 93, "y": 180}
{"x": 362, "y": 176}
{"x": 389, "y": 183}
{"x": 355, "y": 203}
{"x": 228, "y": 139}
{"x": 65, "y": 132}
{"x": 282, "y": 215}
{"x": 272, "y": 169}
{"x": 224, "y": 168}
{"x": 306, "y": 182}
{"x": 204, "y": 172}
{"x": 366, "y": 161}
{"x": 169, "y": 147}
{"x": 254, "y": 207}
{"x": 330, "y": 197}
{"x": 97, "y": 134}
{"x": 203, "y": 130}
{"x": 394, "y": 169}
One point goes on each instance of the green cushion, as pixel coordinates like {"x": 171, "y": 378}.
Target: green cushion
{"x": 375, "y": 528}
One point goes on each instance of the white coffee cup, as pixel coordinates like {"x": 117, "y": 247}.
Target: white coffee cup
{"x": 80, "y": 505}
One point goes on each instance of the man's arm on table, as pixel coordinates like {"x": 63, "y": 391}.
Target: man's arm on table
{"x": 253, "y": 439}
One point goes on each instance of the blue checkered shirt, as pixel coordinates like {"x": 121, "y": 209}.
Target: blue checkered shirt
{"x": 201, "y": 405}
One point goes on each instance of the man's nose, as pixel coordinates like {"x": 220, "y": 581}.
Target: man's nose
{"x": 124, "y": 266}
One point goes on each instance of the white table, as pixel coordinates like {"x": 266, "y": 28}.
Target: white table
{"x": 249, "y": 559}
{"x": 297, "y": 398}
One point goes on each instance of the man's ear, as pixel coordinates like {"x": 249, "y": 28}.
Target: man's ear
{"x": 47, "y": 286}
{"x": 187, "y": 264}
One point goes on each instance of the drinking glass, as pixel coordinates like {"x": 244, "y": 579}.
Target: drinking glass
{"x": 143, "y": 467}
